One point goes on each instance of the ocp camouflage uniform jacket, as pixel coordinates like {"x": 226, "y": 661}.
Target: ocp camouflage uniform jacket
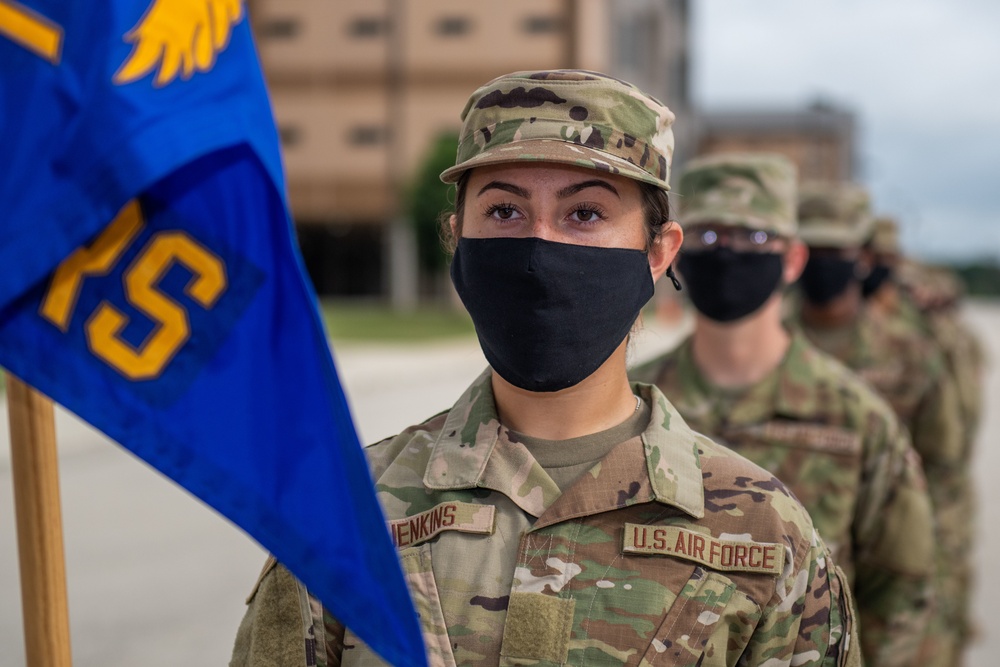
{"x": 962, "y": 354}
{"x": 672, "y": 550}
{"x": 909, "y": 371}
{"x": 840, "y": 449}
{"x": 954, "y": 491}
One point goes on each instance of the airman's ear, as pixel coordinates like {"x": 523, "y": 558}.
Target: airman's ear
{"x": 663, "y": 250}
{"x": 795, "y": 261}
{"x": 864, "y": 265}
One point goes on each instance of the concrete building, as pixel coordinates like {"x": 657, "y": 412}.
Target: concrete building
{"x": 361, "y": 88}
{"x": 819, "y": 139}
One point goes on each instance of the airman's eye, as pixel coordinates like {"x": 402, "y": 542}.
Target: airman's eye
{"x": 503, "y": 211}
{"x": 587, "y": 214}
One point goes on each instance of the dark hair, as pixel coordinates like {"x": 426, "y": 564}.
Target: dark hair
{"x": 655, "y": 209}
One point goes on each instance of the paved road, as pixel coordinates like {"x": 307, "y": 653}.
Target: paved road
{"x": 985, "y": 319}
{"x": 157, "y": 579}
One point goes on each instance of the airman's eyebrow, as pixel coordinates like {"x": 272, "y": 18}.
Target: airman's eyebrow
{"x": 568, "y": 191}
{"x": 506, "y": 187}
{"x": 594, "y": 183}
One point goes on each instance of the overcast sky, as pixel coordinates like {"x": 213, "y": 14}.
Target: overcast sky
{"x": 922, "y": 76}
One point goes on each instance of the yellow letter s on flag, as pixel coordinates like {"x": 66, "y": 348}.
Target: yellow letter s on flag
{"x": 104, "y": 327}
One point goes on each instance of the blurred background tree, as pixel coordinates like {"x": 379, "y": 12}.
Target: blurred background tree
{"x": 426, "y": 200}
{"x": 981, "y": 278}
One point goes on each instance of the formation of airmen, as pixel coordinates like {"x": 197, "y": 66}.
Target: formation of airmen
{"x": 789, "y": 486}
{"x": 851, "y": 378}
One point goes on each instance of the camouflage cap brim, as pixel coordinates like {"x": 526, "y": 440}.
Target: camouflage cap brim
{"x": 574, "y": 117}
{"x": 555, "y": 151}
{"x": 885, "y": 236}
{"x": 834, "y": 215}
{"x": 734, "y": 220}
{"x": 740, "y": 189}
{"x": 834, "y": 236}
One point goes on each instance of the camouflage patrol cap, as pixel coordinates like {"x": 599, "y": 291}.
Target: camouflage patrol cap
{"x": 885, "y": 236}
{"x": 752, "y": 190}
{"x": 834, "y": 214}
{"x": 572, "y": 117}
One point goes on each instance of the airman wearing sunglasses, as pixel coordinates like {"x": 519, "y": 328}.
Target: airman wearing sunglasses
{"x": 750, "y": 383}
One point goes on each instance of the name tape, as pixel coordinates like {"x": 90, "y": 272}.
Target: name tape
{"x": 463, "y": 517}
{"x": 724, "y": 555}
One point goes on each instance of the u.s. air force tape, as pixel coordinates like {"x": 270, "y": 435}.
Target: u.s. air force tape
{"x": 463, "y": 517}
{"x": 718, "y": 554}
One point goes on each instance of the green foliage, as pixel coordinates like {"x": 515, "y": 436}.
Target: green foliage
{"x": 371, "y": 322}
{"x": 981, "y": 278}
{"x": 428, "y": 198}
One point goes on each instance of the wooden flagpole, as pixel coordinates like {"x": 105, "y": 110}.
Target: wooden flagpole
{"x": 35, "y": 470}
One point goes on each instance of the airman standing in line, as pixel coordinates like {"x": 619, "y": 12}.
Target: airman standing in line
{"x": 557, "y": 514}
{"x": 927, "y": 298}
{"x": 908, "y": 370}
{"x": 746, "y": 381}
{"x": 935, "y": 316}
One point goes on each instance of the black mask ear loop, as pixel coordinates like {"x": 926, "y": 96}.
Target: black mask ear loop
{"x": 673, "y": 278}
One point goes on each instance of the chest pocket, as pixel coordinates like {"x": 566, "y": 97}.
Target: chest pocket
{"x": 709, "y": 624}
{"x": 820, "y": 464}
{"x": 416, "y": 562}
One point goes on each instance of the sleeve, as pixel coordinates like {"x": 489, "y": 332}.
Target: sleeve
{"x": 937, "y": 426}
{"x": 947, "y": 469}
{"x": 811, "y": 620}
{"x": 276, "y": 630}
{"x": 964, "y": 358}
{"x": 894, "y": 546}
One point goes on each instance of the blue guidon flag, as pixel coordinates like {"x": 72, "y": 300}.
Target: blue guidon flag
{"x": 151, "y": 285}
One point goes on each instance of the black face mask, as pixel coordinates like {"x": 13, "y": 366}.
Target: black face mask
{"x": 878, "y": 275}
{"x": 725, "y": 286}
{"x": 549, "y": 314}
{"x": 826, "y": 278}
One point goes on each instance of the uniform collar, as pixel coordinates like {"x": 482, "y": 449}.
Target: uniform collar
{"x": 472, "y": 451}
{"x": 801, "y": 393}
{"x": 791, "y": 390}
{"x": 672, "y": 458}
{"x": 711, "y": 407}
{"x": 805, "y": 389}
{"x": 856, "y": 339}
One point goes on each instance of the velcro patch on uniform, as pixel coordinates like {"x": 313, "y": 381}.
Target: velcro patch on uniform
{"x": 814, "y": 436}
{"x": 881, "y": 376}
{"x": 538, "y": 627}
{"x": 724, "y": 555}
{"x": 463, "y": 517}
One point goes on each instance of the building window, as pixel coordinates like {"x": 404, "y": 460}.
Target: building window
{"x": 452, "y": 26}
{"x": 542, "y": 25}
{"x": 367, "y": 26}
{"x": 289, "y": 135}
{"x": 366, "y": 135}
{"x": 280, "y": 29}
